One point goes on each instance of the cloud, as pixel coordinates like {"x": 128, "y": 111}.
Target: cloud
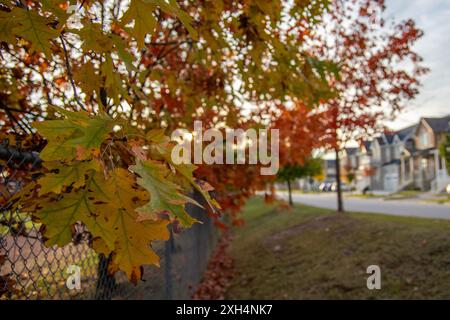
{"x": 433, "y": 17}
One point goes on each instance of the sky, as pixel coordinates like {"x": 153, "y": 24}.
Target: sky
{"x": 433, "y": 17}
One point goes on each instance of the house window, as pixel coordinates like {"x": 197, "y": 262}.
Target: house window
{"x": 424, "y": 139}
{"x": 424, "y": 163}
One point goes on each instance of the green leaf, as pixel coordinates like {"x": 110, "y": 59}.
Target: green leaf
{"x": 59, "y": 214}
{"x": 34, "y": 28}
{"x": 79, "y": 134}
{"x": 172, "y": 7}
{"x": 74, "y": 175}
{"x": 141, "y": 12}
{"x": 93, "y": 38}
{"x": 165, "y": 195}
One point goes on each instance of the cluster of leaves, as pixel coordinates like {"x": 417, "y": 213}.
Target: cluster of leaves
{"x": 116, "y": 179}
{"x": 157, "y": 63}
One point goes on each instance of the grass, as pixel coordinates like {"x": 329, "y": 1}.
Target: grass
{"x": 406, "y": 194}
{"x": 440, "y": 199}
{"x": 311, "y": 253}
{"x": 365, "y": 196}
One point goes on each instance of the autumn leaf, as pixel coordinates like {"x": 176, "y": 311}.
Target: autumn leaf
{"x": 34, "y": 28}
{"x": 108, "y": 209}
{"x": 72, "y": 175}
{"x": 165, "y": 195}
{"x": 79, "y": 134}
{"x": 132, "y": 238}
{"x": 54, "y": 6}
{"x": 164, "y": 147}
{"x": 59, "y": 214}
{"x": 87, "y": 78}
{"x": 141, "y": 12}
{"x": 93, "y": 38}
{"x": 173, "y": 8}
{"x": 7, "y": 24}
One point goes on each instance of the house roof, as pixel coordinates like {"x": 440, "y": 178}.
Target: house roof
{"x": 439, "y": 125}
{"x": 367, "y": 145}
{"x": 351, "y": 151}
{"x": 389, "y": 137}
{"x": 380, "y": 141}
{"x": 405, "y": 133}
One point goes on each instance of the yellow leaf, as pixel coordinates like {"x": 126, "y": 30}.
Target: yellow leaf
{"x": 74, "y": 175}
{"x": 141, "y": 12}
{"x": 34, "y": 28}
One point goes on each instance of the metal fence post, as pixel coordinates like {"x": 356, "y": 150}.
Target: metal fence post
{"x": 106, "y": 283}
{"x": 169, "y": 248}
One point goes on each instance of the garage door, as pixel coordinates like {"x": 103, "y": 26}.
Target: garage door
{"x": 391, "y": 182}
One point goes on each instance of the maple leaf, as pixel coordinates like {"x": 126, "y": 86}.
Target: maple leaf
{"x": 164, "y": 148}
{"x": 108, "y": 209}
{"x": 93, "y": 38}
{"x": 173, "y": 8}
{"x": 132, "y": 238}
{"x": 165, "y": 195}
{"x": 73, "y": 175}
{"x": 59, "y": 214}
{"x": 7, "y": 24}
{"x": 141, "y": 12}
{"x": 53, "y": 6}
{"x": 34, "y": 28}
{"x": 87, "y": 79}
{"x": 80, "y": 133}
{"x": 113, "y": 82}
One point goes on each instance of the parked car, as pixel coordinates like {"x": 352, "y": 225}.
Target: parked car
{"x": 344, "y": 187}
{"x": 325, "y": 187}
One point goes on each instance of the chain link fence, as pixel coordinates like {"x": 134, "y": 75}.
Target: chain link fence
{"x": 29, "y": 270}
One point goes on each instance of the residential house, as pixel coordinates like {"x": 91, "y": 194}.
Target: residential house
{"x": 365, "y": 168}
{"x": 408, "y": 158}
{"x": 350, "y": 165}
{"x": 429, "y": 167}
{"x": 329, "y": 169}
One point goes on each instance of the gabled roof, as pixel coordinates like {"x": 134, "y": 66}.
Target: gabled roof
{"x": 367, "y": 144}
{"x": 405, "y": 133}
{"x": 389, "y": 137}
{"x": 439, "y": 125}
{"x": 380, "y": 140}
{"x": 351, "y": 151}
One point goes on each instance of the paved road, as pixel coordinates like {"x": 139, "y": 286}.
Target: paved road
{"x": 406, "y": 207}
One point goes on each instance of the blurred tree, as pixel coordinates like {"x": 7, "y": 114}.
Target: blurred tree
{"x": 378, "y": 70}
{"x": 289, "y": 172}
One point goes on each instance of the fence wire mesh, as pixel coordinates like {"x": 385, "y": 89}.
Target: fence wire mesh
{"x": 30, "y": 270}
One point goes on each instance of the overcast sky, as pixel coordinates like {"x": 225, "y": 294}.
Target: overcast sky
{"x": 433, "y": 17}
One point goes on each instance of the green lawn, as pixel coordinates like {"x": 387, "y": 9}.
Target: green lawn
{"x": 311, "y": 253}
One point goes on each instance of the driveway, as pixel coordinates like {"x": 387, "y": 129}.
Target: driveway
{"x": 406, "y": 207}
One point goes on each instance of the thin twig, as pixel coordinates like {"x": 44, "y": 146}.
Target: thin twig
{"x": 70, "y": 75}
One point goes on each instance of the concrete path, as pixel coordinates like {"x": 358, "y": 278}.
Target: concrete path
{"x": 406, "y": 207}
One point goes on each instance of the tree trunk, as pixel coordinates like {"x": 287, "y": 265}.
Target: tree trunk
{"x": 340, "y": 205}
{"x": 291, "y": 203}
